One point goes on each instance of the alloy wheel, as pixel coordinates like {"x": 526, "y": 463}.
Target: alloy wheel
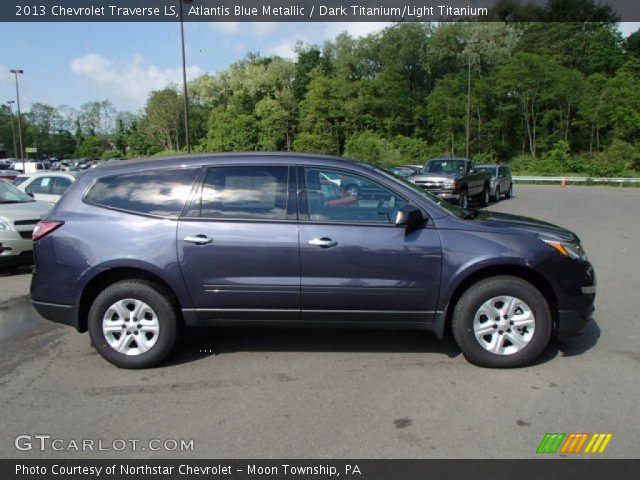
{"x": 504, "y": 325}
{"x": 130, "y": 327}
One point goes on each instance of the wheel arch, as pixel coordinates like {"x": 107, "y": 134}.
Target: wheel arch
{"x": 519, "y": 271}
{"x": 109, "y": 276}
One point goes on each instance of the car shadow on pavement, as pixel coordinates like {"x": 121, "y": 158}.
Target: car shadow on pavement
{"x": 10, "y": 271}
{"x": 571, "y": 347}
{"x": 198, "y": 343}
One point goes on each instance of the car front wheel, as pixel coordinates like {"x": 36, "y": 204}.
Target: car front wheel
{"x": 484, "y": 197}
{"x": 502, "y": 322}
{"x": 463, "y": 201}
{"x": 133, "y": 324}
{"x": 496, "y": 195}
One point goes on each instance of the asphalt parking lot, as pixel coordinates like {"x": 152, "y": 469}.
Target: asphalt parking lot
{"x": 345, "y": 394}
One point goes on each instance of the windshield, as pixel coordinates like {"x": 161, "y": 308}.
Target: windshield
{"x": 444, "y": 166}
{"x": 452, "y": 209}
{"x": 10, "y": 194}
{"x": 18, "y": 180}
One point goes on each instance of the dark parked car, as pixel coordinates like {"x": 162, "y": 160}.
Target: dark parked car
{"x": 135, "y": 251}
{"x": 501, "y": 180}
{"x": 454, "y": 179}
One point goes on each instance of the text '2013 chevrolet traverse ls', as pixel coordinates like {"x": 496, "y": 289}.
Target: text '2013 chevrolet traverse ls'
{"x": 135, "y": 251}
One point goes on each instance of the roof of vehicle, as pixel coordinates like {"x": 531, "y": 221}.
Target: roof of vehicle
{"x": 50, "y": 173}
{"x": 449, "y": 158}
{"x": 196, "y": 159}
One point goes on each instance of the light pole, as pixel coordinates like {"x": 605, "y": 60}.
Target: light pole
{"x": 15, "y": 73}
{"x": 184, "y": 79}
{"x": 13, "y": 129}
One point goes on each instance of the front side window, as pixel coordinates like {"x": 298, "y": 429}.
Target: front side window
{"x": 356, "y": 199}
{"x": 152, "y": 192}
{"x": 243, "y": 192}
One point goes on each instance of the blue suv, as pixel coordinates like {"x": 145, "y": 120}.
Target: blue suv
{"x": 138, "y": 250}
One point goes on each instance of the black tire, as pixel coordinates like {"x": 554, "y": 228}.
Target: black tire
{"x": 479, "y": 293}
{"x": 509, "y": 193}
{"x": 483, "y": 198}
{"x": 496, "y": 196}
{"x": 155, "y": 297}
{"x": 463, "y": 201}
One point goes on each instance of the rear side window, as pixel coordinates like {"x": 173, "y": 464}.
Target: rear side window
{"x": 243, "y": 192}
{"x": 60, "y": 185}
{"x": 40, "y": 185}
{"x": 152, "y": 192}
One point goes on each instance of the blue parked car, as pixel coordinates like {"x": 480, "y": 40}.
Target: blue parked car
{"x": 137, "y": 250}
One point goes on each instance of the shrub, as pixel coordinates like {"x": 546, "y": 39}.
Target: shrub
{"x": 371, "y": 148}
{"x": 618, "y": 160}
{"x": 109, "y": 154}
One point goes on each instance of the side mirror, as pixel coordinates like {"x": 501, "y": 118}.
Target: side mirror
{"x": 409, "y": 216}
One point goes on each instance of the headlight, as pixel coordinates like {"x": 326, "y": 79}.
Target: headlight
{"x": 4, "y": 225}
{"x": 568, "y": 249}
{"x": 449, "y": 183}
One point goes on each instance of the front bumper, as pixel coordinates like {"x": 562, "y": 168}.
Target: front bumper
{"x": 449, "y": 195}
{"x": 576, "y": 310}
{"x": 572, "y": 323}
{"x": 15, "y": 250}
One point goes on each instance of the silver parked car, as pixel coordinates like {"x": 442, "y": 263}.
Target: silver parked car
{"x": 501, "y": 180}
{"x": 19, "y": 214}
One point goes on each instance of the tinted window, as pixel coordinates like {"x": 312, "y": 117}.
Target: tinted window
{"x": 356, "y": 200}
{"x": 60, "y": 185}
{"x": 18, "y": 180}
{"x": 40, "y": 185}
{"x": 444, "y": 166}
{"x": 252, "y": 192}
{"x": 154, "y": 192}
{"x": 491, "y": 170}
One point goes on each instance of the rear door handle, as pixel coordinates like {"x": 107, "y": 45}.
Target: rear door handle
{"x": 198, "y": 239}
{"x": 323, "y": 242}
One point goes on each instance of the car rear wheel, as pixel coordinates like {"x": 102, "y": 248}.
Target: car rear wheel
{"x": 496, "y": 195}
{"x": 502, "y": 322}
{"x": 509, "y": 193}
{"x": 133, "y": 324}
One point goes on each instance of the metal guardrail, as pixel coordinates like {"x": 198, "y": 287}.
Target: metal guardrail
{"x": 620, "y": 180}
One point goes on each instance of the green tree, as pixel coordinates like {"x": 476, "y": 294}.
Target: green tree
{"x": 92, "y": 147}
{"x": 371, "y": 148}
{"x": 163, "y": 115}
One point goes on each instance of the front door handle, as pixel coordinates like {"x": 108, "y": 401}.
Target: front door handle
{"x": 323, "y": 242}
{"x": 198, "y": 239}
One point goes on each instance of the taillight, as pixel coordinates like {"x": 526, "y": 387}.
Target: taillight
{"x": 45, "y": 227}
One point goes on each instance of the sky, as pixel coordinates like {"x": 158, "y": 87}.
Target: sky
{"x": 73, "y": 63}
